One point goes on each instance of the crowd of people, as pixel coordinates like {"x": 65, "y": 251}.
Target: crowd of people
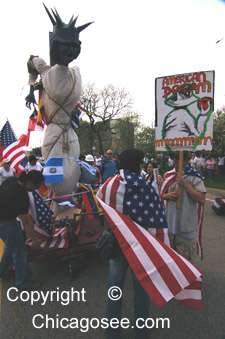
{"x": 206, "y": 163}
{"x": 159, "y": 172}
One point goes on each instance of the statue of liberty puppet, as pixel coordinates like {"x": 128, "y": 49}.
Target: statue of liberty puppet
{"x": 60, "y": 95}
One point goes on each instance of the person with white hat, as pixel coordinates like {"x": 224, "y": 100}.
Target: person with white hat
{"x": 6, "y": 170}
{"x": 90, "y": 159}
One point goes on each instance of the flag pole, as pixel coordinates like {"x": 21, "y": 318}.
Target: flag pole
{"x": 180, "y": 170}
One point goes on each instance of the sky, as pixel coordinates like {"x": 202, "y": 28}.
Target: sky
{"x": 129, "y": 45}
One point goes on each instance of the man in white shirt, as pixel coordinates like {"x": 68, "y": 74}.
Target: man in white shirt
{"x": 33, "y": 165}
{"x": 197, "y": 162}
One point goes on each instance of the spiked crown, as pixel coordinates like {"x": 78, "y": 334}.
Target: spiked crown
{"x": 64, "y": 32}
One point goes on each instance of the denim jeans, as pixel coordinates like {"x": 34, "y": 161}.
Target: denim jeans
{"x": 117, "y": 273}
{"x": 15, "y": 254}
{"x": 210, "y": 173}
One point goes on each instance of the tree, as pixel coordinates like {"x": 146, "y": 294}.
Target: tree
{"x": 145, "y": 139}
{"x": 219, "y": 130}
{"x": 83, "y": 133}
{"x": 105, "y": 105}
{"x": 124, "y": 131}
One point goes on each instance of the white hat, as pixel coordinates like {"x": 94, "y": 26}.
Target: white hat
{"x": 6, "y": 161}
{"x": 89, "y": 157}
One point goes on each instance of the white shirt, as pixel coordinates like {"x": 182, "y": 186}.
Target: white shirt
{"x": 203, "y": 160}
{"x": 143, "y": 173}
{"x": 193, "y": 162}
{"x": 197, "y": 162}
{"x": 98, "y": 161}
{"x": 221, "y": 161}
{"x": 36, "y": 167}
{"x": 170, "y": 162}
{"x": 4, "y": 174}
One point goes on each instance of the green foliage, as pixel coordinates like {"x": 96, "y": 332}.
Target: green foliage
{"x": 123, "y": 130}
{"x": 219, "y": 131}
{"x": 84, "y": 136}
{"x": 145, "y": 139}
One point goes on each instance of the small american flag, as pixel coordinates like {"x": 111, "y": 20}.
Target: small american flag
{"x": 12, "y": 148}
{"x": 33, "y": 125}
{"x": 43, "y": 224}
{"x": 137, "y": 218}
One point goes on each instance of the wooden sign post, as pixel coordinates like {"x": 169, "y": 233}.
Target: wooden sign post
{"x": 180, "y": 171}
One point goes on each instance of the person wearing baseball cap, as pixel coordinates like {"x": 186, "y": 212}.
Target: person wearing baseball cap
{"x": 109, "y": 166}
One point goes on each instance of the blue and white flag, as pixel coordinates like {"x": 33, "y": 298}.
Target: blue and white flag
{"x": 88, "y": 172}
{"x": 53, "y": 170}
{"x": 87, "y": 166}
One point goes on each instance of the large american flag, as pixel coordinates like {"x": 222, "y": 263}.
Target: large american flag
{"x": 12, "y": 148}
{"x": 168, "y": 179}
{"x": 43, "y": 224}
{"x": 137, "y": 218}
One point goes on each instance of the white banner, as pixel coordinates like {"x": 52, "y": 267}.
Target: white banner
{"x": 184, "y": 107}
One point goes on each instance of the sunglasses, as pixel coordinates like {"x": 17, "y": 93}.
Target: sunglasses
{"x": 109, "y": 153}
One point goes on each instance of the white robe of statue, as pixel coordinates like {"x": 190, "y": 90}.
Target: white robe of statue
{"x": 62, "y": 89}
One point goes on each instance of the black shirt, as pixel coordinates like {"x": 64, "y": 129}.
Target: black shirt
{"x": 14, "y": 199}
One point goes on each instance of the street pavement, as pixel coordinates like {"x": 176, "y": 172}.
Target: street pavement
{"x": 16, "y": 317}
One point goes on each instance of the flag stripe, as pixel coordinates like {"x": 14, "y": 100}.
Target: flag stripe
{"x": 161, "y": 234}
{"x": 150, "y": 285}
{"x": 160, "y": 267}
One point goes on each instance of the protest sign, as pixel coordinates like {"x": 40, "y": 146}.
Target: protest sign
{"x": 184, "y": 107}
